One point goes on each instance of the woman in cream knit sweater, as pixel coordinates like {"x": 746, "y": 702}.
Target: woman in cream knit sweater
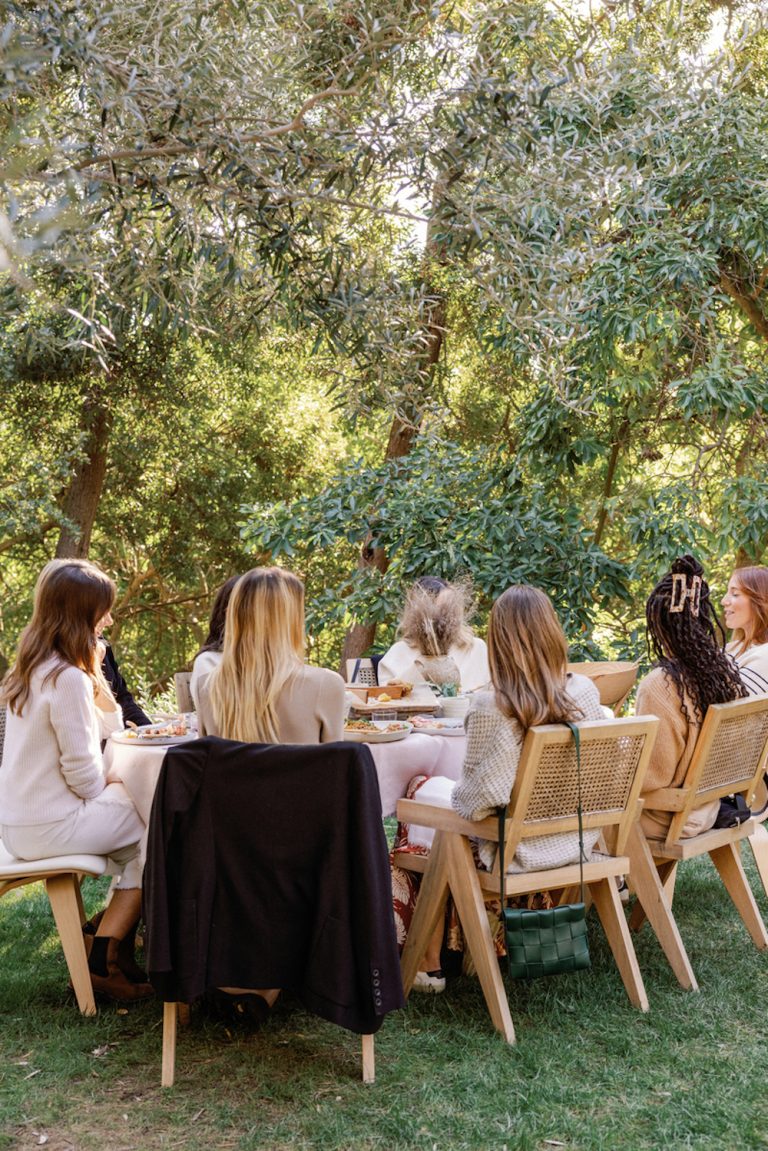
{"x": 528, "y": 656}
{"x": 54, "y": 796}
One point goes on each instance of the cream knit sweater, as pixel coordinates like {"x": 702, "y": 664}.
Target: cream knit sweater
{"x": 52, "y": 753}
{"x": 494, "y": 743}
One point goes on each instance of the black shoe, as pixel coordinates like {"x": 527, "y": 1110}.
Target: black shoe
{"x": 243, "y": 1009}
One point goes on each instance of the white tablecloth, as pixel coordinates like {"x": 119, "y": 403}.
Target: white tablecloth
{"x": 138, "y": 766}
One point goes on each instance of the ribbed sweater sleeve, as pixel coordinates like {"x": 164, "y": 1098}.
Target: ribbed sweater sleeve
{"x": 73, "y": 713}
{"x": 657, "y": 695}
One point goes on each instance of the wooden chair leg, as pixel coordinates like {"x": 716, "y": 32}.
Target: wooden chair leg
{"x": 470, "y": 905}
{"x": 430, "y": 907}
{"x": 727, "y": 860}
{"x": 758, "y": 841}
{"x": 606, "y": 898}
{"x": 369, "y": 1065}
{"x": 669, "y": 881}
{"x": 652, "y": 899}
{"x": 666, "y": 872}
{"x": 66, "y": 905}
{"x": 169, "y": 1045}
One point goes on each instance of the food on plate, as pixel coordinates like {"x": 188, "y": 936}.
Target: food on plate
{"x": 369, "y": 725}
{"x": 430, "y": 721}
{"x": 175, "y": 726}
{"x": 384, "y": 698}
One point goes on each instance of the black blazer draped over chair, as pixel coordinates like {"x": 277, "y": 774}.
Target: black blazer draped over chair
{"x": 267, "y": 866}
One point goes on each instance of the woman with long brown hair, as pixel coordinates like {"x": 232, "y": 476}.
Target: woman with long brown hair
{"x": 531, "y": 684}
{"x": 54, "y": 796}
{"x": 745, "y": 606}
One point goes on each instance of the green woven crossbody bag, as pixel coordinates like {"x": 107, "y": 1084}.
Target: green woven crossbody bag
{"x": 553, "y": 941}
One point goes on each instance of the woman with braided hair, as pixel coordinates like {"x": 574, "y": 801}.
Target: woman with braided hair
{"x": 692, "y": 671}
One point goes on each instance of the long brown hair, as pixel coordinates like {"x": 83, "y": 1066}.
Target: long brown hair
{"x": 263, "y": 649}
{"x": 528, "y": 657}
{"x": 71, "y": 596}
{"x": 753, "y": 582}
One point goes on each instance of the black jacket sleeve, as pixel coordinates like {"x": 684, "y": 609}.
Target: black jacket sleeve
{"x": 131, "y": 710}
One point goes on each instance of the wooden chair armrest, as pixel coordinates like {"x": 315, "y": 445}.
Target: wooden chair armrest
{"x": 445, "y": 819}
{"x": 666, "y": 799}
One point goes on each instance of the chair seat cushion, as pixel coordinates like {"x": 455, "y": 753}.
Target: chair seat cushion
{"x": 10, "y": 867}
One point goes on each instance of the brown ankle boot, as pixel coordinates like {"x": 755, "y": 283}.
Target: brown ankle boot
{"x": 108, "y": 979}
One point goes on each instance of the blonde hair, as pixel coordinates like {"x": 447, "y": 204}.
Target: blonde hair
{"x": 70, "y": 598}
{"x": 263, "y": 649}
{"x": 434, "y": 617}
{"x": 528, "y": 658}
{"x": 753, "y": 583}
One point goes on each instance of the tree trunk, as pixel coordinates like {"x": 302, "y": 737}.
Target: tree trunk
{"x": 81, "y": 500}
{"x": 616, "y": 448}
{"x": 403, "y": 432}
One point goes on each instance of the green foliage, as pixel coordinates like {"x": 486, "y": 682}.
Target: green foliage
{"x": 581, "y": 345}
{"x": 448, "y": 512}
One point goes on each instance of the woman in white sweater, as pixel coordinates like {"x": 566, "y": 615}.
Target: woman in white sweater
{"x": 432, "y": 628}
{"x": 528, "y": 655}
{"x": 745, "y": 606}
{"x": 54, "y": 796}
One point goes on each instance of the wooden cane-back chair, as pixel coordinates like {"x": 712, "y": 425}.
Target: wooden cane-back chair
{"x": 758, "y": 840}
{"x": 614, "y": 757}
{"x": 729, "y": 759}
{"x": 614, "y": 680}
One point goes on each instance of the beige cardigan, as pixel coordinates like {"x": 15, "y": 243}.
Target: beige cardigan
{"x": 310, "y": 708}
{"x": 672, "y": 752}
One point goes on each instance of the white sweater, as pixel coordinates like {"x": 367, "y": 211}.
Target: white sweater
{"x": 52, "y": 753}
{"x": 472, "y": 662}
{"x": 753, "y": 664}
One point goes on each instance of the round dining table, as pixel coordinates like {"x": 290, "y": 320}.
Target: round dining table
{"x": 137, "y": 765}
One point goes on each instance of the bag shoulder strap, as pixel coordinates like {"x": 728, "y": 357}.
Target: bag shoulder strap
{"x": 502, "y": 817}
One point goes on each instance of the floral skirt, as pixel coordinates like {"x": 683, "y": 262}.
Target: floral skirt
{"x": 405, "y": 891}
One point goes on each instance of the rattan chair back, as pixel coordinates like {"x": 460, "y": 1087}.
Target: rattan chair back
{"x": 614, "y": 757}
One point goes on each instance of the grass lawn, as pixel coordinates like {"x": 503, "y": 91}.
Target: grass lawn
{"x": 588, "y": 1071}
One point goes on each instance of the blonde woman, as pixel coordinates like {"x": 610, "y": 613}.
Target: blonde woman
{"x": 745, "y": 606}
{"x": 528, "y": 655}
{"x": 54, "y": 797}
{"x": 262, "y": 691}
{"x": 433, "y": 626}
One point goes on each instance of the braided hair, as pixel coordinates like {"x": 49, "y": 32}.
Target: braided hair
{"x": 686, "y": 639}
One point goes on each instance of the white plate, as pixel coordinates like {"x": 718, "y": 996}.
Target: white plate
{"x": 151, "y": 740}
{"x": 441, "y": 727}
{"x": 377, "y": 736}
